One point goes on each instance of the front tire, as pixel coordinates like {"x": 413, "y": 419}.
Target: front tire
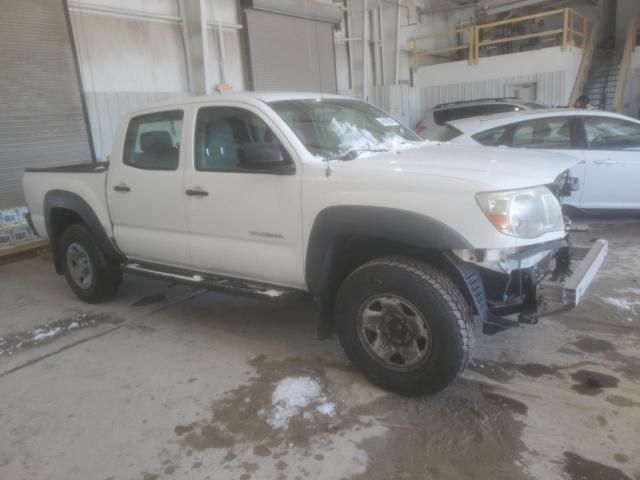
{"x": 89, "y": 274}
{"x": 405, "y": 325}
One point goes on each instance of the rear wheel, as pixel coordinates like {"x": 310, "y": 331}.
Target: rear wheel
{"x": 89, "y": 274}
{"x": 405, "y": 325}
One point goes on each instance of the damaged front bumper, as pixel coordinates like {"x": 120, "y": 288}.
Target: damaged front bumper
{"x": 530, "y": 282}
{"x": 561, "y": 295}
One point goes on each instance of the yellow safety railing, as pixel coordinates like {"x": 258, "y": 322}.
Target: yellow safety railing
{"x": 630, "y": 46}
{"x": 469, "y": 31}
{"x": 573, "y": 29}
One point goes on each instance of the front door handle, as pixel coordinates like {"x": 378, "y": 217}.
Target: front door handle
{"x": 122, "y": 187}
{"x": 605, "y": 161}
{"x": 197, "y": 192}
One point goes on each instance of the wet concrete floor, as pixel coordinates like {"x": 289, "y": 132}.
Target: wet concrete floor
{"x": 171, "y": 382}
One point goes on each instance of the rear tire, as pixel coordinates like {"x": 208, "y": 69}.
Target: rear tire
{"x": 405, "y": 325}
{"x": 89, "y": 274}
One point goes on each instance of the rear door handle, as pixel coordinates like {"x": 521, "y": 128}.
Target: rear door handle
{"x": 605, "y": 161}
{"x": 122, "y": 187}
{"x": 197, "y": 192}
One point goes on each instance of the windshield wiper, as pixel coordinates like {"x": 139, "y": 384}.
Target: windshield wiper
{"x": 353, "y": 154}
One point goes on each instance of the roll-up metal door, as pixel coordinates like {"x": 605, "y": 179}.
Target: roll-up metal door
{"x": 290, "y": 53}
{"x": 42, "y": 121}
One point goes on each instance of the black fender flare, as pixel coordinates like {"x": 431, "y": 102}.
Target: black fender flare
{"x": 65, "y": 200}
{"x": 335, "y": 223}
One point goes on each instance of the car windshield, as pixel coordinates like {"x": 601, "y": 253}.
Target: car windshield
{"x": 342, "y": 128}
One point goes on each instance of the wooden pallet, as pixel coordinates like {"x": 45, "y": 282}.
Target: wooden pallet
{"x": 23, "y": 250}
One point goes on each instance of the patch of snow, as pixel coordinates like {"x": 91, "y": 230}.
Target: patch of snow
{"x": 622, "y": 303}
{"x": 42, "y": 333}
{"x": 271, "y": 293}
{"x": 327, "y": 408}
{"x": 634, "y": 291}
{"x": 292, "y": 395}
{"x": 352, "y": 137}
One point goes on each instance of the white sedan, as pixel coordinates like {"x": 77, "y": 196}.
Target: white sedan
{"x": 607, "y": 143}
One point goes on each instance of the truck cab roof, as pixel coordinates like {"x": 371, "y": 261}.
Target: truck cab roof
{"x": 263, "y": 96}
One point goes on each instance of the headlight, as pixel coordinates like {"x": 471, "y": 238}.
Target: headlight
{"x": 526, "y": 213}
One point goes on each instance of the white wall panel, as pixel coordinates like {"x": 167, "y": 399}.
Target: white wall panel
{"x": 551, "y": 70}
{"x": 126, "y": 63}
{"x": 118, "y": 54}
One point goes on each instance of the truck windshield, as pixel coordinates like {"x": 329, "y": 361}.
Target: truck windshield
{"x": 342, "y": 128}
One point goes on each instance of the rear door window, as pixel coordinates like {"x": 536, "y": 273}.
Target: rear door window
{"x": 545, "y": 133}
{"x": 611, "y": 134}
{"x": 152, "y": 141}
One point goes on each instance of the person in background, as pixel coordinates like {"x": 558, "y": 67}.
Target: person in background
{"x": 583, "y": 102}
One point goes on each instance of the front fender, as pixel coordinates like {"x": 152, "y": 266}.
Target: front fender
{"x": 334, "y": 224}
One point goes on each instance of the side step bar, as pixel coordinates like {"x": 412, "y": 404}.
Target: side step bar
{"x": 218, "y": 283}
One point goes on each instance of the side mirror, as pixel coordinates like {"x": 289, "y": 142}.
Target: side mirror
{"x": 266, "y": 157}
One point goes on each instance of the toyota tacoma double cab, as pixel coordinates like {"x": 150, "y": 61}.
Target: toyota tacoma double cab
{"x": 406, "y": 246}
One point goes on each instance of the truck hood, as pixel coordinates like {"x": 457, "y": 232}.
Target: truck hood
{"x": 496, "y": 168}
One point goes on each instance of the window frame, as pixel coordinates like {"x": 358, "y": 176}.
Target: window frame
{"x": 148, "y": 114}
{"x": 289, "y": 168}
{"x": 585, "y": 138}
{"x": 575, "y": 135}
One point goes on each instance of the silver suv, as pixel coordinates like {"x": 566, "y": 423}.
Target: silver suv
{"x": 433, "y": 126}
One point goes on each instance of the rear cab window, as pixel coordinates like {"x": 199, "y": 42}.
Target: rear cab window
{"x": 456, "y": 113}
{"x": 152, "y": 141}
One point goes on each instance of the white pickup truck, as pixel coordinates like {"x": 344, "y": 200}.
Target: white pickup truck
{"x": 405, "y": 246}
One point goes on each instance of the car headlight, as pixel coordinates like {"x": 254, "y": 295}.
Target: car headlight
{"x": 526, "y": 213}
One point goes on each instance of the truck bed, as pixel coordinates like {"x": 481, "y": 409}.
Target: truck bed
{"x": 86, "y": 182}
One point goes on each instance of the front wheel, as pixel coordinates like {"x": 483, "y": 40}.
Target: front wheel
{"x": 89, "y": 274}
{"x": 405, "y": 325}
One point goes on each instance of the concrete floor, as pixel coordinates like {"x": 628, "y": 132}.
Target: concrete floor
{"x": 171, "y": 382}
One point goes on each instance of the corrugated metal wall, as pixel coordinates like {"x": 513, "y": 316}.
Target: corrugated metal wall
{"x": 410, "y": 103}
{"x": 42, "y": 121}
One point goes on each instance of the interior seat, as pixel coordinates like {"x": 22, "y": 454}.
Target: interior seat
{"x": 158, "y": 151}
{"x": 220, "y": 146}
